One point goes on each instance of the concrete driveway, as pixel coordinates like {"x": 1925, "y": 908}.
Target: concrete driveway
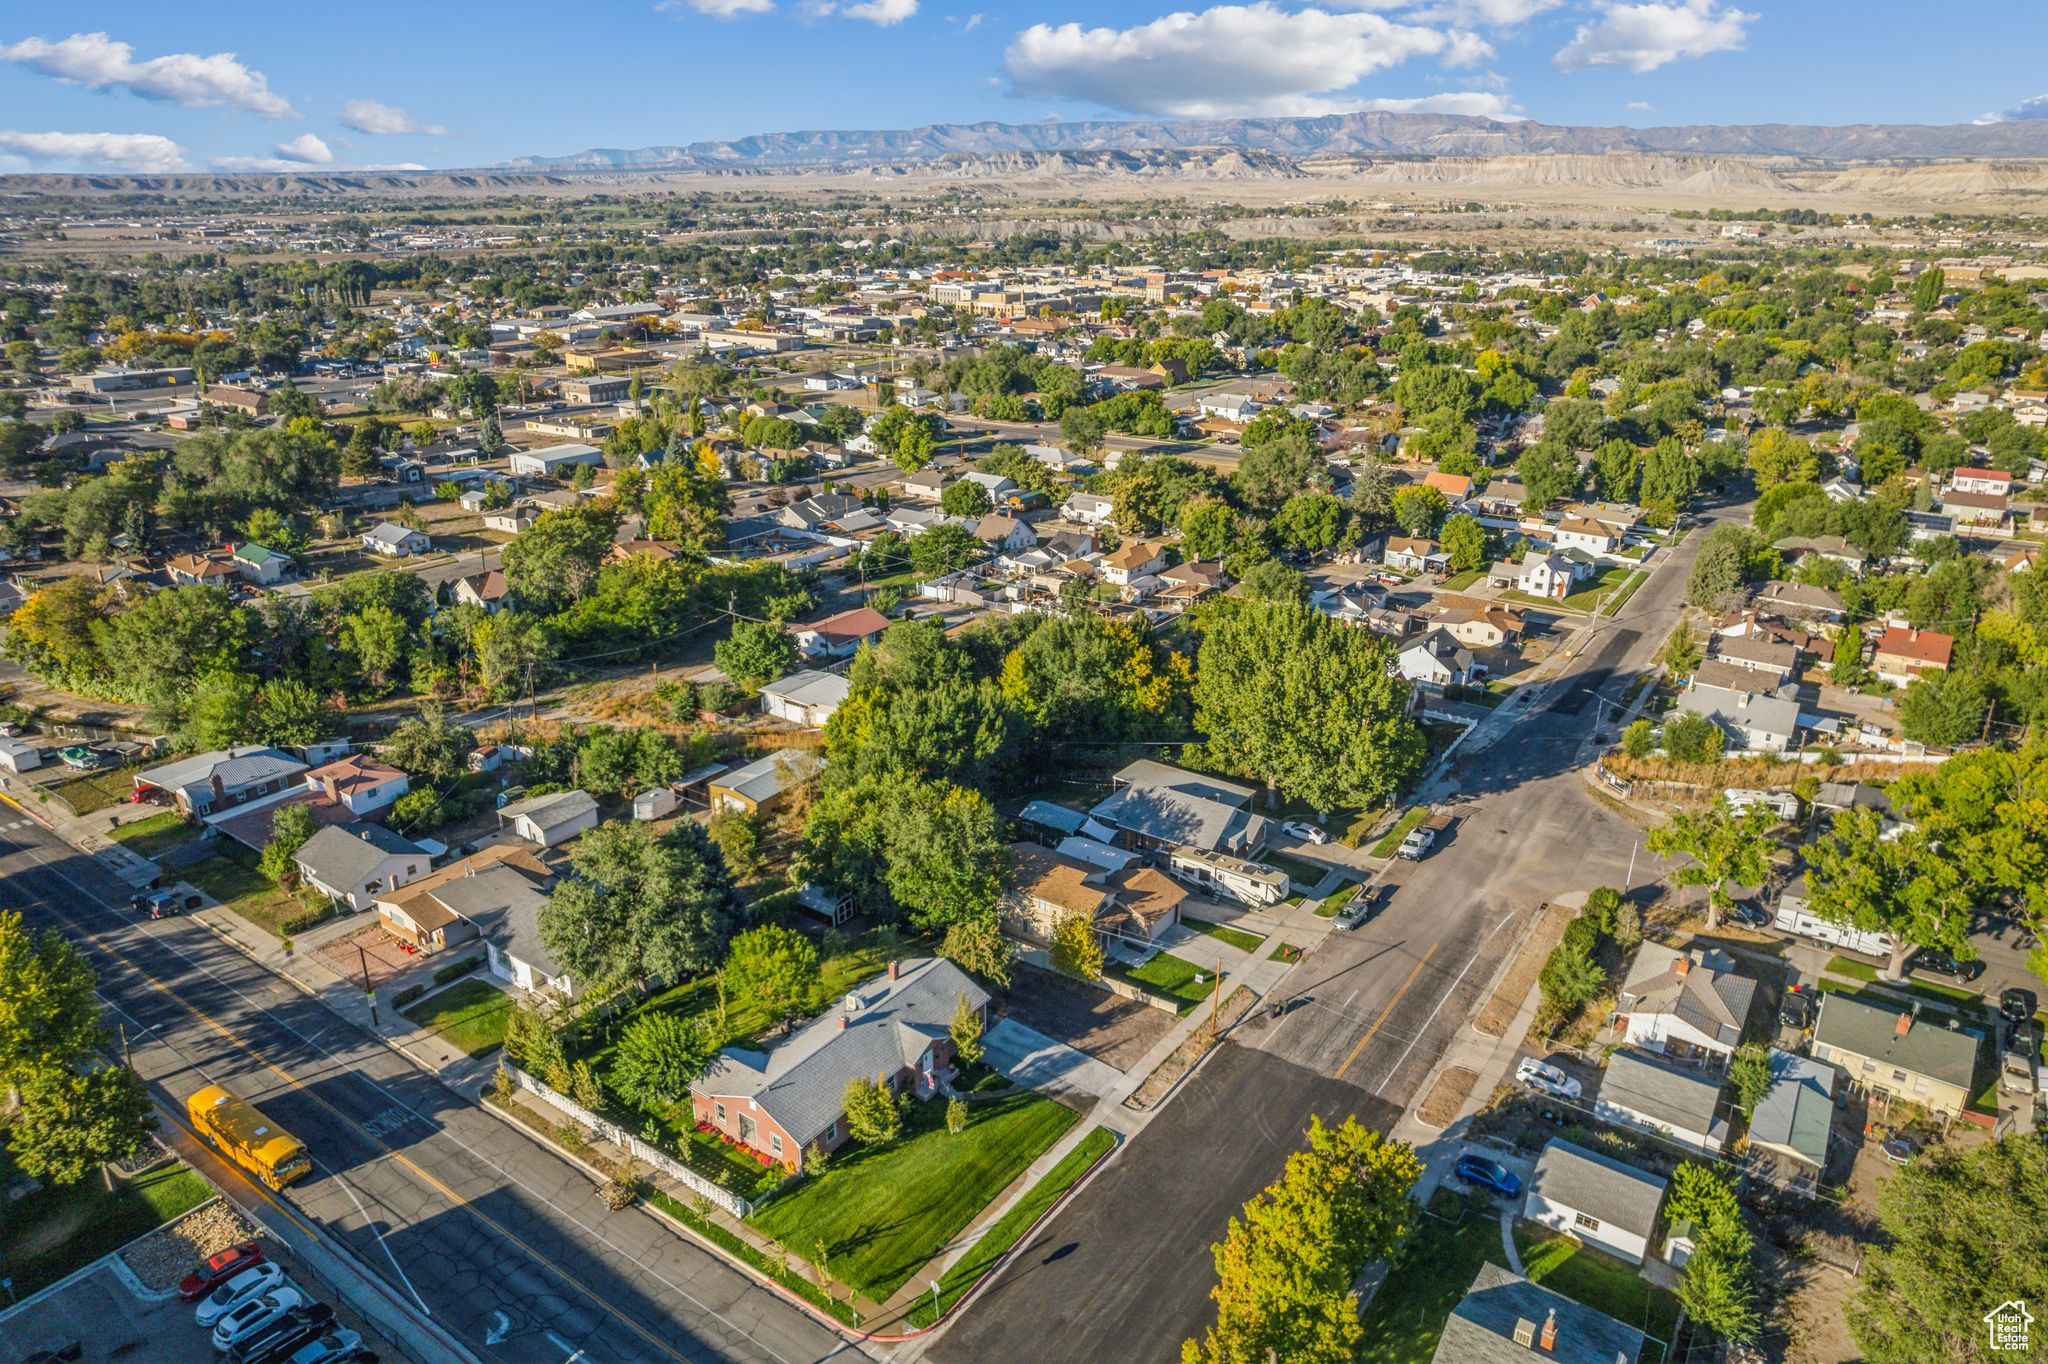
{"x": 1031, "y": 1058}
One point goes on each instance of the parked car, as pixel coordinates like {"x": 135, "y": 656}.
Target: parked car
{"x": 1362, "y": 906}
{"x": 1936, "y": 961}
{"x": 249, "y": 1283}
{"x": 328, "y": 1349}
{"x": 1548, "y": 1079}
{"x": 156, "y": 904}
{"x": 219, "y": 1268}
{"x": 254, "y": 1316}
{"x": 2018, "y": 1004}
{"x": 1796, "y": 1009}
{"x": 283, "y": 1337}
{"x": 1490, "y": 1175}
{"x": 1305, "y": 831}
{"x": 1749, "y": 916}
{"x": 1422, "y": 838}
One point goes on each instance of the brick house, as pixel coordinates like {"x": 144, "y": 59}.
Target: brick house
{"x": 894, "y": 1028}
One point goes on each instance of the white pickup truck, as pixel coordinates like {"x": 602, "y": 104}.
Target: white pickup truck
{"x": 1423, "y": 837}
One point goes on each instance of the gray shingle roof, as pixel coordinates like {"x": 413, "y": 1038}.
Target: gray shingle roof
{"x": 344, "y": 855}
{"x": 802, "y": 1082}
{"x": 810, "y": 688}
{"x": 1709, "y": 995}
{"x": 1177, "y": 806}
{"x": 1795, "y": 1113}
{"x": 505, "y": 907}
{"x": 1926, "y": 1048}
{"x": 1569, "y": 1176}
{"x": 1481, "y": 1329}
{"x": 551, "y": 810}
{"x": 1659, "y": 1091}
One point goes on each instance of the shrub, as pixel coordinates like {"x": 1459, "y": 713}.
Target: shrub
{"x": 872, "y": 1116}
{"x": 1638, "y": 739}
{"x": 1693, "y": 738}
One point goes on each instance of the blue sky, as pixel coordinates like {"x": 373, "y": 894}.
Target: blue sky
{"x": 228, "y": 85}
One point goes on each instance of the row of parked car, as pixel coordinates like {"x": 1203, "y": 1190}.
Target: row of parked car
{"x": 259, "y": 1316}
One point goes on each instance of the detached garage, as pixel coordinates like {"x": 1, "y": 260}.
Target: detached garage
{"x": 1595, "y": 1198}
{"x": 17, "y": 755}
{"x": 807, "y": 698}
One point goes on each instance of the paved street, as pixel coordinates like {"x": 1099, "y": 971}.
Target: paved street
{"x": 1125, "y": 1272}
{"x": 501, "y": 1242}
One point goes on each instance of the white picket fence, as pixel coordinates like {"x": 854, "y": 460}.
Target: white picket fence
{"x": 619, "y": 1136}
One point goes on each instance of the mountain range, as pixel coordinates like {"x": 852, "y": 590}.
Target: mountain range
{"x": 1360, "y": 134}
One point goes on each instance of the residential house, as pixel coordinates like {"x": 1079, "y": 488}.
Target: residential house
{"x": 516, "y": 519}
{"x": 1408, "y": 554}
{"x": 926, "y": 485}
{"x": 1478, "y": 624}
{"x": 842, "y": 635}
{"x": 789, "y": 1101}
{"x": 1132, "y": 561}
{"x": 359, "y": 784}
{"x": 1436, "y": 659}
{"x": 1688, "y": 1005}
{"x": 1505, "y": 1319}
{"x": 1894, "y": 1055}
{"x": 1089, "y": 509}
{"x": 210, "y": 782}
{"x": 1133, "y": 904}
{"x": 1988, "y": 514}
{"x": 554, "y": 818}
{"x": 216, "y": 568}
{"x": 486, "y": 590}
{"x": 1675, "y": 1102}
{"x": 1587, "y": 536}
{"x": 1595, "y": 1198}
{"x": 1500, "y": 506}
{"x": 1233, "y": 407}
{"x": 1902, "y": 654}
{"x": 762, "y": 785}
{"x": 1771, "y": 662}
{"x": 395, "y": 541}
{"x": 260, "y": 565}
{"x": 1456, "y": 488}
{"x": 1981, "y": 482}
{"x": 1190, "y": 582}
{"x": 1795, "y": 1115}
{"x": 1798, "y": 548}
{"x": 995, "y": 485}
{"x": 355, "y": 863}
{"x": 1155, "y": 807}
{"x": 434, "y": 912}
{"x": 1752, "y": 718}
{"x": 1550, "y": 576}
{"x": 553, "y": 461}
{"x": 1005, "y": 534}
{"x": 1800, "y": 601}
{"x": 805, "y": 698}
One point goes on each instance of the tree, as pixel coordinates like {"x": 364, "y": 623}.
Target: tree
{"x": 1724, "y": 846}
{"x": 1075, "y": 949}
{"x": 1285, "y": 1267}
{"x": 417, "y": 812}
{"x": 1270, "y": 473}
{"x": 375, "y": 638}
{"x": 1847, "y": 670}
{"x": 532, "y": 1042}
{"x": 1777, "y": 456}
{"x": 1682, "y": 653}
{"x": 966, "y": 498}
{"x": 755, "y": 653}
{"x": 640, "y": 904}
{"x": 1464, "y": 539}
{"x": 555, "y": 562}
{"x": 775, "y": 970}
{"x": 1271, "y": 580}
{"x": 1717, "y": 1286}
{"x": 1639, "y": 738}
{"x": 1419, "y": 509}
{"x": 1725, "y": 563}
{"x": 429, "y": 744}
{"x": 290, "y": 714}
{"x": 1749, "y": 1074}
{"x": 965, "y": 1031}
{"x": 1549, "y": 471}
{"x": 1965, "y": 1230}
{"x": 944, "y": 548}
{"x": 1943, "y": 709}
{"x": 658, "y": 1055}
{"x": 684, "y": 503}
{"x": 1690, "y": 737}
{"x": 1310, "y": 706}
{"x": 1572, "y": 976}
{"x": 1927, "y": 289}
{"x": 738, "y": 835}
{"x": 956, "y": 1115}
{"x": 1904, "y": 883}
{"x": 290, "y": 827}
{"x": 873, "y": 1117}
{"x": 978, "y": 946}
{"x": 49, "y": 1018}
{"x": 74, "y": 1121}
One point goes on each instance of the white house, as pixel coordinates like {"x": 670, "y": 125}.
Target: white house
{"x": 395, "y": 541}
{"x": 551, "y": 819}
{"x": 1436, "y": 660}
{"x": 1236, "y": 407}
{"x": 553, "y": 460}
{"x": 805, "y": 698}
{"x": 1682, "y": 1105}
{"x": 1133, "y": 560}
{"x": 1582, "y": 533}
{"x": 1595, "y": 1198}
{"x": 1689, "y": 1005}
{"x": 1090, "y": 509}
{"x": 1546, "y": 575}
{"x": 355, "y": 863}
{"x": 260, "y": 565}
{"x": 842, "y": 635}
{"x": 359, "y": 783}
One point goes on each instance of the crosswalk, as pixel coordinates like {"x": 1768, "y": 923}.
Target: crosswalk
{"x": 17, "y": 824}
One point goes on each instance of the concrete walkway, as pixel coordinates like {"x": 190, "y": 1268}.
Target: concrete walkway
{"x": 1039, "y": 1062}
{"x": 1507, "y": 1241}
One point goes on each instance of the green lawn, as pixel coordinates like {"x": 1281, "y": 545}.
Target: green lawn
{"x": 96, "y": 790}
{"x": 62, "y": 1228}
{"x": 1458, "y": 582}
{"x": 1598, "y": 1280}
{"x": 470, "y": 1015}
{"x": 251, "y": 894}
{"x": 1172, "y": 976}
{"x": 1402, "y": 828}
{"x": 1236, "y": 937}
{"x": 155, "y": 835}
{"x": 1429, "y": 1274}
{"x": 1297, "y": 869}
{"x": 1012, "y": 1225}
{"x": 1865, "y": 972}
{"x": 1610, "y": 580}
{"x": 882, "y": 1214}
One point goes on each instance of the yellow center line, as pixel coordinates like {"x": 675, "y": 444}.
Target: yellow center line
{"x": 1384, "y": 1012}
{"x": 448, "y": 1193}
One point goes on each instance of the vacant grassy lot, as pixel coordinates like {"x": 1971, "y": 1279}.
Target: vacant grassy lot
{"x": 1170, "y": 975}
{"x": 61, "y": 1228}
{"x": 251, "y": 894}
{"x": 1403, "y": 826}
{"x": 96, "y": 790}
{"x": 881, "y": 1214}
{"x": 155, "y": 835}
{"x": 470, "y": 1015}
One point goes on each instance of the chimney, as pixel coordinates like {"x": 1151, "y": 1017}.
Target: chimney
{"x": 1905, "y": 1024}
{"x": 894, "y": 968}
{"x": 1548, "y": 1340}
{"x": 842, "y": 1022}
{"x": 1682, "y": 967}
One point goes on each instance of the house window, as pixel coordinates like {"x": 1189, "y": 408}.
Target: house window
{"x": 1898, "y": 1077}
{"x": 774, "y": 1144}
{"x": 832, "y": 1131}
{"x": 1580, "y": 1219}
{"x": 719, "y": 1111}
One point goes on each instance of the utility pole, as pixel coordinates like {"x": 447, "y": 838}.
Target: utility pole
{"x": 368, "y": 993}
{"x": 1215, "y": 1001}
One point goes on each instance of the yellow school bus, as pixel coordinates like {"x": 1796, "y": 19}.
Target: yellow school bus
{"x": 239, "y": 1132}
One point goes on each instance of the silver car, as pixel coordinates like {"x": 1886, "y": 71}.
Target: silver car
{"x": 1545, "y": 1078}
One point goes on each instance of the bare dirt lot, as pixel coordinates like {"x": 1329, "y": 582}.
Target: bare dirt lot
{"x": 1114, "y": 1031}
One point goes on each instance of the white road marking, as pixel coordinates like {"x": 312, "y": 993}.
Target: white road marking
{"x": 1419, "y": 1032}
{"x": 575, "y": 1354}
{"x": 501, "y": 1326}
{"x": 371, "y": 1222}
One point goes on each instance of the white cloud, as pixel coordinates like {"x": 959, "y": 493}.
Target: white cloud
{"x": 307, "y": 150}
{"x": 1645, "y": 37}
{"x": 1228, "y": 60}
{"x": 1640, "y": 106}
{"x": 385, "y": 120}
{"x": 717, "y": 9}
{"x": 1483, "y": 13}
{"x": 1484, "y": 103}
{"x": 882, "y": 12}
{"x": 2026, "y": 111}
{"x": 970, "y": 23}
{"x": 145, "y": 152}
{"x": 97, "y": 62}
{"x": 285, "y": 165}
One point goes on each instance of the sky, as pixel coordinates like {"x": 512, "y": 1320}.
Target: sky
{"x": 231, "y": 86}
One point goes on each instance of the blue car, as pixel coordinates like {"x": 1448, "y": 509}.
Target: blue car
{"x": 1482, "y": 1173}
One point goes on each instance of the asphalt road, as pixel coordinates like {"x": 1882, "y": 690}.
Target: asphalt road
{"x": 494, "y": 1236}
{"x": 1123, "y": 1274}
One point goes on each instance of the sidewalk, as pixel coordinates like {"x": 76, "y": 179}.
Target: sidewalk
{"x": 87, "y": 833}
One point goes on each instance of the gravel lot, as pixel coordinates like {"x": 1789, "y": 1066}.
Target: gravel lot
{"x": 167, "y": 1254}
